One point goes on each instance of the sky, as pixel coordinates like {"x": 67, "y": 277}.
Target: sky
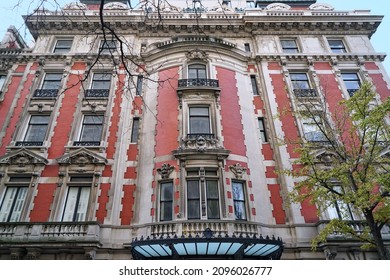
{"x": 11, "y": 15}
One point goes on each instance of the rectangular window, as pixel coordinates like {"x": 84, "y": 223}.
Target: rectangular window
{"x": 107, "y": 46}
{"x": 263, "y": 133}
{"x": 300, "y": 81}
{"x": 140, "y": 80}
{"x": 247, "y": 47}
{"x": 289, "y": 46}
{"x": 312, "y": 129}
{"x": 199, "y": 120}
{"x": 336, "y": 46}
{"x": 134, "y": 130}
{"x": 339, "y": 209}
{"x": 52, "y": 81}
{"x": 250, "y": 4}
{"x": 77, "y": 198}
{"x": 91, "y": 130}
{"x": 202, "y": 194}
{"x": 197, "y": 71}
{"x": 166, "y": 201}
{"x": 101, "y": 81}
{"x": 352, "y": 82}
{"x": 255, "y": 89}
{"x": 239, "y": 200}
{"x": 63, "y": 46}
{"x": 36, "y": 130}
{"x": 2, "y": 81}
{"x": 14, "y": 199}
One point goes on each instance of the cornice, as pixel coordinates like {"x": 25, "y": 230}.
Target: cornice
{"x": 260, "y": 21}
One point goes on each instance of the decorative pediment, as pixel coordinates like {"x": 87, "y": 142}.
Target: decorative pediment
{"x": 238, "y": 170}
{"x": 320, "y": 6}
{"x": 75, "y": 6}
{"x": 81, "y": 157}
{"x": 165, "y": 170}
{"x": 22, "y": 157}
{"x": 277, "y": 7}
{"x": 325, "y": 157}
{"x": 115, "y": 6}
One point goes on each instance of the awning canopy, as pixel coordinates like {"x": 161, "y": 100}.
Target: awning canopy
{"x": 207, "y": 247}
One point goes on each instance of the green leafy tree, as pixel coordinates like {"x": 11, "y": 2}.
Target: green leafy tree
{"x": 345, "y": 167}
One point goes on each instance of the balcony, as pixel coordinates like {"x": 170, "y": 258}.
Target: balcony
{"x": 45, "y": 93}
{"x": 212, "y": 83}
{"x": 49, "y": 232}
{"x": 97, "y": 93}
{"x": 305, "y": 93}
{"x": 86, "y": 143}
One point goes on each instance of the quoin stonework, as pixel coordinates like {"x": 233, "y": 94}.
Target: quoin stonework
{"x": 165, "y": 140}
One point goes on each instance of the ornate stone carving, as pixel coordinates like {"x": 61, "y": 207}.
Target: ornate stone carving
{"x": 277, "y": 7}
{"x": 165, "y": 170}
{"x": 320, "y": 6}
{"x": 197, "y": 54}
{"x": 75, "y": 6}
{"x": 200, "y": 143}
{"x": 238, "y": 170}
{"x": 81, "y": 157}
{"x": 115, "y": 6}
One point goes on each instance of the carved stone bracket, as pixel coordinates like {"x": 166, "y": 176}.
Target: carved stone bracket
{"x": 165, "y": 170}
{"x": 238, "y": 170}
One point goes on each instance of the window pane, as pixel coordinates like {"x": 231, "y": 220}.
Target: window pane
{"x": 2, "y": 80}
{"x": 101, "y": 81}
{"x": 193, "y": 189}
{"x": 12, "y": 204}
{"x": 213, "y": 209}
{"x": 193, "y": 209}
{"x": 36, "y": 130}
{"x": 52, "y": 81}
{"x": 134, "y": 130}
{"x": 76, "y": 204}
{"x": 197, "y": 71}
{"x": 239, "y": 200}
{"x": 139, "y": 85}
{"x": 63, "y": 46}
{"x": 212, "y": 189}
{"x": 199, "y": 111}
{"x": 238, "y": 192}
{"x": 254, "y": 85}
{"x": 199, "y": 125}
{"x": 166, "y": 192}
{"x": 239, "y": 210}
{"x": 70, "y": 205}
{"x": 82, "y": 206}
{"x": 166, "y": 211}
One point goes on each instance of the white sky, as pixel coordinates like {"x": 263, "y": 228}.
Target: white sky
{"x": 11, "y": 15}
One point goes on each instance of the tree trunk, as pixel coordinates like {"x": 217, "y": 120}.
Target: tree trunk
{"x": 377, "y": 236}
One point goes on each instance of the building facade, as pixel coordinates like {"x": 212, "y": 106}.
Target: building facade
{"x": 164, "y": 139}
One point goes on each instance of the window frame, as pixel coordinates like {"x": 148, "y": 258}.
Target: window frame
{"x": 94, "y": 80}
{"x": 168, "y": 201}
{"x": 308, "y": 122}
{"x": 106, "y": 47}
{"x": 77, "y": 183}
{"x": 30, "y": 126}
{"x": 337, "y": 49}
{"x": 83, "y": 126}
{"x": 262, "y": 130}
{"x": 255, "y": 88}
{"x": 3, "y": 80}
{"x": 135, "y": 130}
{"x": 201, "y": 67}
{"x": 24, "y": 185}
{"x": 296, "y": 81}
{"x": 46, "y": 80}
{"x": 242, "y": 201}
{"x": 289, "y": 49}
{"x": 192, "y": 117}
{"x": 67, "y": 49}
{"x": 357, "y": 80}
{"x": 203, "y": 198}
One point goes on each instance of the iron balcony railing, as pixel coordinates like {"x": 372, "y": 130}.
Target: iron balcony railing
{"x": 86, "y": 143}
{"x": 198, "y": 83}
{"x": 45, "y": 93}
{"x": 28, "y": 143}
{"x": 97, "y": 93}
{"x": 305, "y": 92}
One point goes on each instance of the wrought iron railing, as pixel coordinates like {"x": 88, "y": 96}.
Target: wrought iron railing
{"x": 198, "y": 83}
{"x": 28, "y": 143}
{"x": 197, "y": 135}
{"x": 97, "y": 93}
{"x": 86, "y": 143}
{"x": 305, "y": 92}
{"x": 45, "y": 93}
